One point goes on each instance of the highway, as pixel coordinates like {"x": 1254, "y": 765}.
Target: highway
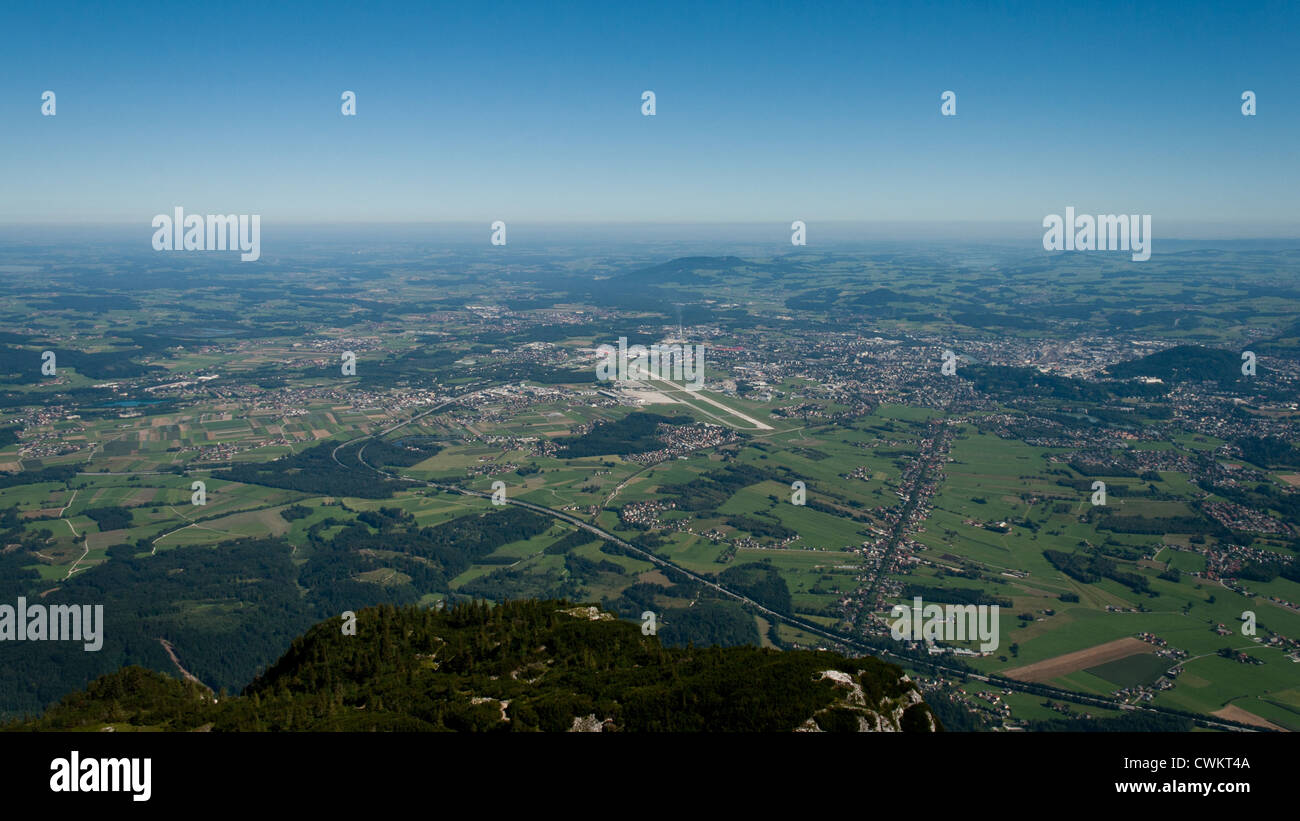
{"x": 810, "y": 627}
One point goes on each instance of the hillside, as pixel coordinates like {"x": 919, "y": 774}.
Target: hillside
{"x": 1183, "y": 363}
{"x": 523, "y": 665}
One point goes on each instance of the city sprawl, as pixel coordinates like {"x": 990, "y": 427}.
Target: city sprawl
{"x": 1099, "y": 452}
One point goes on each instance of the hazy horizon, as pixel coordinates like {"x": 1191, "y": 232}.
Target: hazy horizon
{"x": 763, "y": 113}
{"x": 829, "y": 231}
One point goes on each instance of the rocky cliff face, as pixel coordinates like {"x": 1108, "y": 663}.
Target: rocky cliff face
{"x": 853, "y": 711}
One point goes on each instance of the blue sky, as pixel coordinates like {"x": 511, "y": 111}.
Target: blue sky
{"x": 766, "y": 112}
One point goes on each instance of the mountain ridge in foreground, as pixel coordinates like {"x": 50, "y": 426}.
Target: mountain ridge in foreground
{"x": 519, "y": 666}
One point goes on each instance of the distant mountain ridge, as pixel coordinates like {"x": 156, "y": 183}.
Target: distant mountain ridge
{"x": 688, "y": 269}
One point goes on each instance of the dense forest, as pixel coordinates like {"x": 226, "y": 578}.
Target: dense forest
{"x": 110, "y": 518}
{"x": 58, "y": 473}
{"x": 1090, "y": 569}
{"x": 315, "y": 471}
{"x": 952, "y": 595}
{"x": 769, "y": 527}
{"x": 1269, "y": 451}
{"x": 1016, "y": 382}
{"x": 713, "y": 489}
{"x": 1184, "y": 363}
{"x": 761, "y": 582}
{"x": 634, "y": 433}
{"x": 709, "y": 622}
{"x": 231, "y": 609}
{"x": 520, "y": 666}
{"x": 403, "y": 453}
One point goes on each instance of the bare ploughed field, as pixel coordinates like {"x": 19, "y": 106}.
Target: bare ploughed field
{"x": 1043, "y": 671}
{"x": 1234, "y": 713}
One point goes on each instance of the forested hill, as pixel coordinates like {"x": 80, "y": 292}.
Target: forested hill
{"x": 522, "y": 665}
{"x": 1183, "y": 363}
